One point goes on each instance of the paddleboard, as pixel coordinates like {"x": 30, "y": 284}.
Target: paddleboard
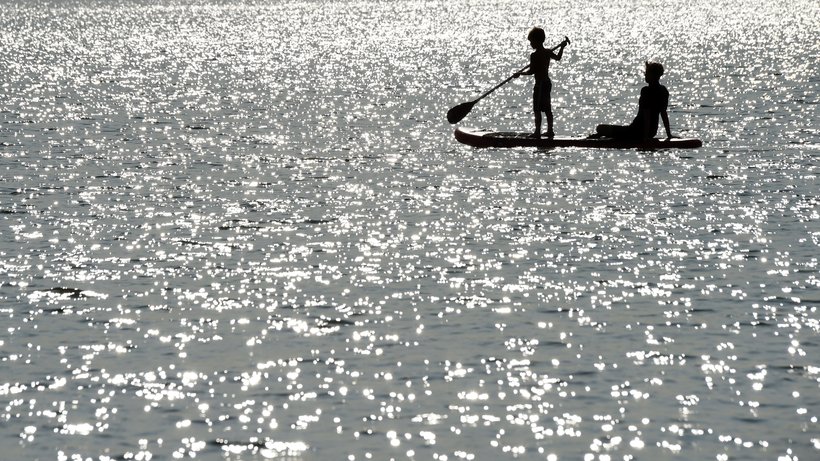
{"x": 482, "y": 138}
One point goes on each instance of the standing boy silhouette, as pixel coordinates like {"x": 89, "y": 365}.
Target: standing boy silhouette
{"x": 539, "y": 68}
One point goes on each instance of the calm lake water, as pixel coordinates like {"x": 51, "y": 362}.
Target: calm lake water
{"x": 243, "y": 230}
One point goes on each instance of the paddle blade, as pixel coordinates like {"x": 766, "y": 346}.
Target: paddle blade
{"x": 457, "y": 113}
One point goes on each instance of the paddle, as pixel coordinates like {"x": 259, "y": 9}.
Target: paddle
{"x": 457, "y": 113}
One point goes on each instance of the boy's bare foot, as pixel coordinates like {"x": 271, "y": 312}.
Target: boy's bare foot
{"x": 535, "y": 135}
{"x": 550, "y": 134}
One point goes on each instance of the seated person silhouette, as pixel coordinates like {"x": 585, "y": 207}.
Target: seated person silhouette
{"x": 652, "y": 104}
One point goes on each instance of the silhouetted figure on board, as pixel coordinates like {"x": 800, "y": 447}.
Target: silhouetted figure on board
{"x": 652, "y": 103}
{"x": 539, "y": 68}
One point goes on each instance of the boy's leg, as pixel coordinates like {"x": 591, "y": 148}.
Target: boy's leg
{"x": 548, "y": 107}
{"x": 550, "y": 133}
{"x": 537, "y": 106}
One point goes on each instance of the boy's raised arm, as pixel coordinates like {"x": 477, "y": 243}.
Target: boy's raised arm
{"x": 560, "y": 47}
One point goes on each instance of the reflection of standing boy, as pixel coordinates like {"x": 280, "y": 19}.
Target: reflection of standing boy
{"x": 539, "y": 68}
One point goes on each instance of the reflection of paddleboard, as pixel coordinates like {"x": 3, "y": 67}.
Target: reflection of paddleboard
{"x": 482, "y": 138}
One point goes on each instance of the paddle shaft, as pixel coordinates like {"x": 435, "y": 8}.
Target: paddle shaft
{"x": 501, "y": 84}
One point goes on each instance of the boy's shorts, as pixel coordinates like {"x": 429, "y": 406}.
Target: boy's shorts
{"x": 541, "y": 101}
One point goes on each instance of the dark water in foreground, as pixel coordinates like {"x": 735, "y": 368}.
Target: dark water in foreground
{"x": 242, "y": 231}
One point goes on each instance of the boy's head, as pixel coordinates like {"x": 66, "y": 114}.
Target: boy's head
{"x": 654, "y": 71}
{"x": 537, "y": 36}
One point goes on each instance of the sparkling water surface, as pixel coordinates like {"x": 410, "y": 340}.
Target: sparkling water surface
{"x": 243, "y": 231}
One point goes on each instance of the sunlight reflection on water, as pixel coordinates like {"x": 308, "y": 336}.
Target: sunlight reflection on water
{"x": 240, "y": 230}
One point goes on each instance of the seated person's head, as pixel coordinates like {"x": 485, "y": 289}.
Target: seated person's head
{"x": 654, "y": 71}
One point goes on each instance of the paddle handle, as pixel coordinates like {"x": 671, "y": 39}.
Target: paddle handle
{"x": 566, "y": 39}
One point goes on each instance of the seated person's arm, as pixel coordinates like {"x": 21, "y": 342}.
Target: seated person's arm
{"x": 665, "y": 118}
